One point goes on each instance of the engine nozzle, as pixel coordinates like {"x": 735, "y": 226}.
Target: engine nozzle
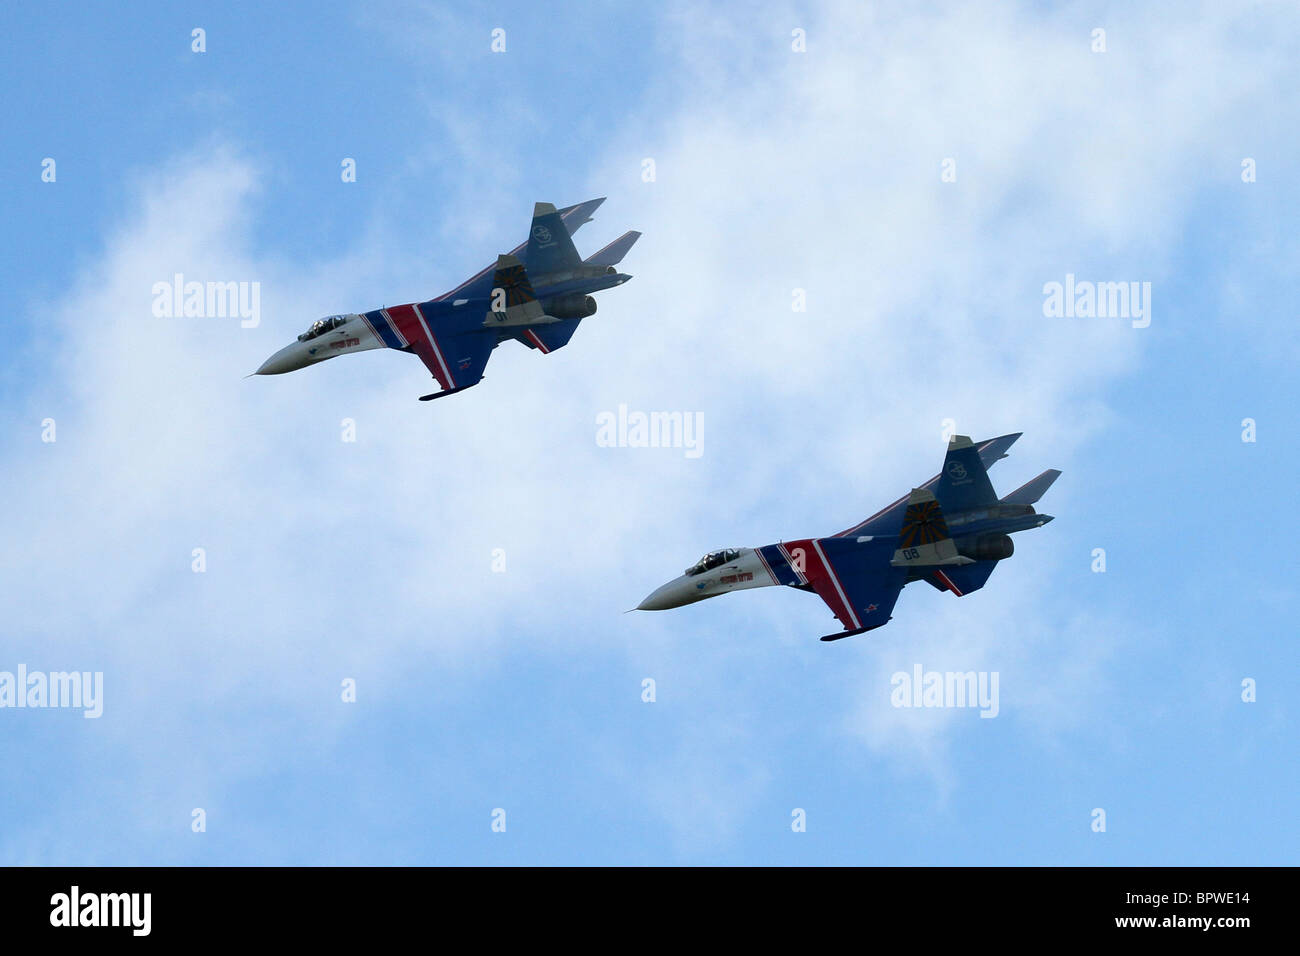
{"x": 986, "y": 547}
{"x": 574, "y": 306}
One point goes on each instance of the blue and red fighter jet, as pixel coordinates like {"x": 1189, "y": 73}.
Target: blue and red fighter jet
{"x": 951, "y": 533}
{"x": 536, "y": 295}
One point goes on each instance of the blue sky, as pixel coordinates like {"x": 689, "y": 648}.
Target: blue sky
{"x": 775, "y": 170}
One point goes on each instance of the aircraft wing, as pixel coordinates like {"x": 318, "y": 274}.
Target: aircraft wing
{"x": 480, "y": 284}
{"x": 452, "y": 343}
{"x": 457, "y": 361}
{"x": 890, "y": 518}
{"x": 853, "y": 577}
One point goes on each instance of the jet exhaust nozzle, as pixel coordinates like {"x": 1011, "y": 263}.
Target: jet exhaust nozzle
{"x": 986, "y": 547}
{"x": 575, "y": 306}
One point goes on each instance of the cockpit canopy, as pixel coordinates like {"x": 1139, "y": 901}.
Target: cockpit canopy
{"x": 321, "y": 326}
{"x": 712, "y": 560}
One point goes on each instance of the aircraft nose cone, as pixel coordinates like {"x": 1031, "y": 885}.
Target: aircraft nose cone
{"x": 663, "y": 598}
{"x": 282, "y": 361}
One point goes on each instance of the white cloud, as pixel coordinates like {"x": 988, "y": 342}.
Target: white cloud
{"x": 822, "y": 171}
{"x": 775, "y": 171}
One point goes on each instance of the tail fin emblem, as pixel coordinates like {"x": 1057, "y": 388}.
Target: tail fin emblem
{"x": 923, "y": 524}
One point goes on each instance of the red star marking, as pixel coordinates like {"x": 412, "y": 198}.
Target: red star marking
{"x": 871, "y": 607}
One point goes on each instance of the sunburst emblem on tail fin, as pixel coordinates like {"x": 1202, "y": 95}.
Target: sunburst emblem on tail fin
{"x": 923, "y": 523}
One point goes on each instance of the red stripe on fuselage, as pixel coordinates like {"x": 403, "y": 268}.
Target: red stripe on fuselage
{"x": 839, "y": 586}
{"x": 538, "y": 342}
{"x": 821, "y": 575}
{"x": 403, "y": 319}
{"x": 409, "y": 321}
{"x": 433, "y": 341}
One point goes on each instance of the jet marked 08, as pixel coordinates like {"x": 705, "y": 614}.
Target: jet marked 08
{"x": 951, "y": 532}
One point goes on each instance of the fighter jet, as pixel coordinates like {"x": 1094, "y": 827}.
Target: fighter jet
{"x": 537, "y": 299}
{"x": 951, "y": 533}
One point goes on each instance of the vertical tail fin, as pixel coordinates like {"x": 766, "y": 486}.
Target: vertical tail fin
{"x": 923, "y": 540}
{"x": 964, "y": 482}
{"x": 550, "y": 247}
{"x": 513, "y": 301}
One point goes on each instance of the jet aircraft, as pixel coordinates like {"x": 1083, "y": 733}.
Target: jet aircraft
{"x": 951, "y": 533}
{"x": 536, "y": 295}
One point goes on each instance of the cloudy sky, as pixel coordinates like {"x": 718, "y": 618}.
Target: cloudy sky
{"x": 919, "y": 174}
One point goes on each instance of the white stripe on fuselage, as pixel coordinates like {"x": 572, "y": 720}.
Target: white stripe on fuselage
{"x": 451, "y": 382}
{"x": 835, "y": 579}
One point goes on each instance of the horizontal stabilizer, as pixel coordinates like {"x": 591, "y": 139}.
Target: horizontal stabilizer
{"x": 1031, "y": 491}
{"x": 577, "y": 215}
{"x": 962, "y": 581}
{"x": 613, "y": 253}
{"x": 995, "y": 449}
{"x": 547, "y": 338}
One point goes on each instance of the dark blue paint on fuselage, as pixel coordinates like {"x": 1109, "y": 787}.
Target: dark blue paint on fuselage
{"x": 776, "y": 562}
{"x": 454, "y": 312}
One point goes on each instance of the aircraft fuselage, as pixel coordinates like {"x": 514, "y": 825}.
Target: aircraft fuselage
{"x": 359, "y": 332}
